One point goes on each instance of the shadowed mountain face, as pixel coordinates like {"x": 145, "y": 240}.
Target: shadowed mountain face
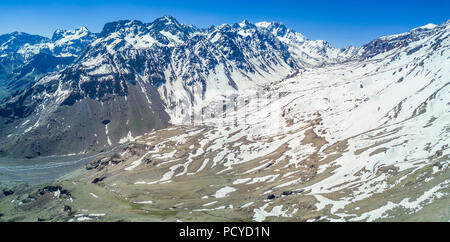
{"x": 38, "y": 66}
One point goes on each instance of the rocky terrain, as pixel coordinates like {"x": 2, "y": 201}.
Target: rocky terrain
{"x": 243, "y": 122}
{"x": 145, "y": 75}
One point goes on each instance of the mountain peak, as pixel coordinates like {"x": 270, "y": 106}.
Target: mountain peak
{"x": 277, "y": 28}
{"x": 169, "y": 19}
{"x": 244, "y": 23}
{"x": 15, "y": 40}
{"x": 425, "y": 27}
{"x": 166, "y": 20}
{"x": 170, "y": 24}
{"x": 115, "y": 26}
{"x": 62, "y": 33}
{"x": 429, "y": 26}
{"x": 263, "y": 24}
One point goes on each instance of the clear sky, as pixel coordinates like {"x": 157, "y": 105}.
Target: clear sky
{"x": 341, "y": 22}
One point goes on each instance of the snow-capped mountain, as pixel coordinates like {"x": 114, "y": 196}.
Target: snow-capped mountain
{"x": 14, "y": 42}
{"x": 64, "y": 43}
{"x": 10, "y": 58}
{"x": 363, "y": 140}
{"x": 308, "y": 52}
{"x": 166, "y": 64}
{"x": 387, "y": 43}
{"x": 244, "y": 121}
{"x": 25, "y": 58}
{"x": 163, "y": 71}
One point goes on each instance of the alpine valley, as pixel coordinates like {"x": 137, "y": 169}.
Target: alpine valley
{"x": 163, "y": 121}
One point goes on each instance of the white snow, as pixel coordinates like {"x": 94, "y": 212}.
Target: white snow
{"x": 137, "y": 162}
{"x": 144, "y": 202}
{"x": 223, "y": 192}
{"x": 260, "y": 214}
{"x": 210, "y": 203}
{"x": 241, "y": 181}
{"x": 247, "y": 205}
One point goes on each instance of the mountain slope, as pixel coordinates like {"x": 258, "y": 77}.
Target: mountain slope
{"x": 168, "y": 65}
{"x": 244, "y": 122}
{"x": 26, "y": 58}
{"x": 364, "y": 140}
{"x": 308, "y": 52}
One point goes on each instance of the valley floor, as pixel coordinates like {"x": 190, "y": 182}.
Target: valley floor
{"x": 103, "y": 192}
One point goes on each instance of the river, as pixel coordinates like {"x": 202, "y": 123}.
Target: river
{"x": 44, "y": 169}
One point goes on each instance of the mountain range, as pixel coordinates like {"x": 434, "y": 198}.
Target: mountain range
{"x": 303, "y": 130}
{"x": 145, "y": 75}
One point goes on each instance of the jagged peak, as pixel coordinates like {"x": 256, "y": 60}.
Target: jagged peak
{"x": 169, "y": 24}
{"x": 219, "y": 27}
{"x": 115, "y": 26}
{"x": 82, "y": 28}
{"x": 277, "y": 28}
{"x": 271, "y": 25}
{"x": 244, "y": 23}
{"x": 167, "y": 19}
{"x": 61, "y": 33}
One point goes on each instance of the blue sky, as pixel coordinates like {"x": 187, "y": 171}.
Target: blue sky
{"x": 342, "y": 23}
